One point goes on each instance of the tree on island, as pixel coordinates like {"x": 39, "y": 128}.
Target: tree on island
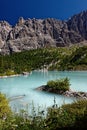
{"x": 59, "y": 85}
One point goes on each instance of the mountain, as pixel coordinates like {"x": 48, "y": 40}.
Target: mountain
{"x": 38, "y": 33}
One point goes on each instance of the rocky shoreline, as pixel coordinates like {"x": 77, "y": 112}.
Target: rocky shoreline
{"x": 23, "y": 73}
{"x": 6, "y": 76}
{"x": 69, "y": 93}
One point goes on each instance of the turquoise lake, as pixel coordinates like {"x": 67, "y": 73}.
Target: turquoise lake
{"x": 25, "y": 85}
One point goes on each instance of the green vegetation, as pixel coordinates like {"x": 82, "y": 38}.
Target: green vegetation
{"x": 67, "y": 116}
{"x": 4, "y": 108}
{"x": 68, "y": 58}
{"x": 59, "y": 85}
{"x": 77, "y": 60}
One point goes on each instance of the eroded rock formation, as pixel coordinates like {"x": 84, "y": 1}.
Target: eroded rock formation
{"x": 38, "y": 33}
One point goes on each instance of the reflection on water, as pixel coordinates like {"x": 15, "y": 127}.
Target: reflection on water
{"x": 25, "y": 85}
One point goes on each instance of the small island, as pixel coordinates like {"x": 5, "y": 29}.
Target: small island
{"x": 62, "y": 86}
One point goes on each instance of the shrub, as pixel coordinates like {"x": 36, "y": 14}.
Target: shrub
{"x": 4, "y": 107}
{"x": 59, "y": 84}
{"x": 68, "y": 116}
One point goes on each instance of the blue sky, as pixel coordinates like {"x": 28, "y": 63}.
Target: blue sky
{"x": 11, "y": 10}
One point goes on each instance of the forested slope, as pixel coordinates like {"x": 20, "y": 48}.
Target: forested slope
{"x": 67, "y": 58}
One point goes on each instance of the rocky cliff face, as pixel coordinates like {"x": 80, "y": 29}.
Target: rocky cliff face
{"x": 38, "y": 33}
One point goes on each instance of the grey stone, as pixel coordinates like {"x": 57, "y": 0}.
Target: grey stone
{"x": 38, "y": 33}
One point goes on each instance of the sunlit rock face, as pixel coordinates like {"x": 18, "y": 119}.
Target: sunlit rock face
{"x": 38, "y": 33}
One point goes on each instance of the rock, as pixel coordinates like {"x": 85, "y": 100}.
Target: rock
{"x": 38, "y": 33}
{"x": 41, "y": 88}
{"x": 5, "y": 28}
{"x": 1, "y": 43}
{"x": 78, "y": 23}
{"x": 20, "y": 21}
{"x": 68, "y": 93}
{"x": 25, "y": 73}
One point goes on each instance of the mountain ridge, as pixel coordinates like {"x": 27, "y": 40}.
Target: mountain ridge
{"x": 41, "y": 33}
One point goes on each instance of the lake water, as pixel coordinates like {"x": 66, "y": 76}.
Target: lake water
{"x": 25, "y": 85}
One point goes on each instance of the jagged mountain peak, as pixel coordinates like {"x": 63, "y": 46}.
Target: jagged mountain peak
{"x": 37, "y": 33}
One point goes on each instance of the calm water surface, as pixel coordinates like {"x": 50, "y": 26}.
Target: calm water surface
{"x": 25, "y": 85}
